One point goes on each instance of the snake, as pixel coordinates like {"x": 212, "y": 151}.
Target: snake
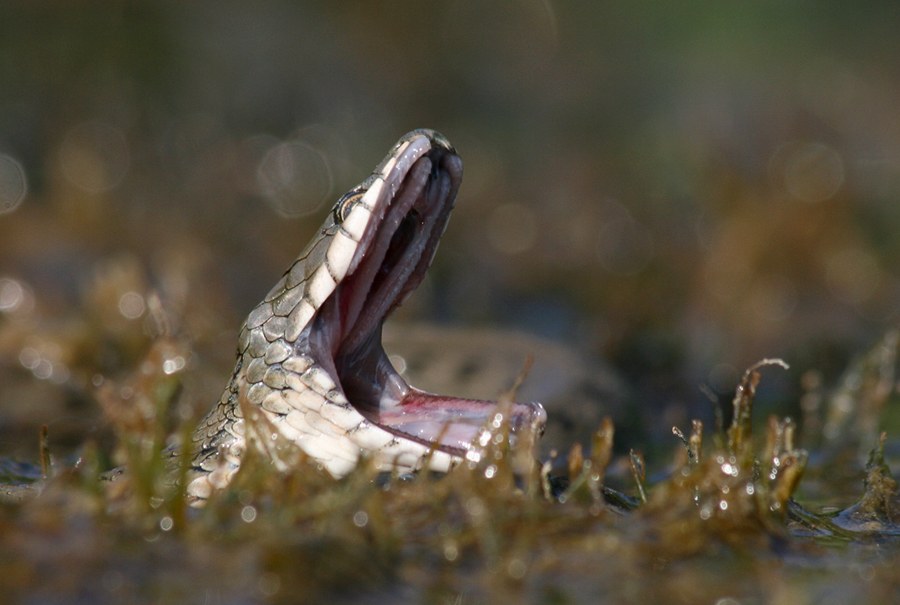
{"x": 312, "y": 379}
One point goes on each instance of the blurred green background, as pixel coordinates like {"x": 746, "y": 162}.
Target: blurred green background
{"x": 677, "y": 188}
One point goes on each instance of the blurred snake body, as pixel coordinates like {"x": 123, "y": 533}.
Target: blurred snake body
{"x": 311, "y": 377}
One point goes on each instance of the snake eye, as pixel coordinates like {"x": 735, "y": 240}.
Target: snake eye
{"x": 345, "y": 205}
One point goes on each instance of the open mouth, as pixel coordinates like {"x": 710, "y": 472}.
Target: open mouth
{"x": 404, "y": 222}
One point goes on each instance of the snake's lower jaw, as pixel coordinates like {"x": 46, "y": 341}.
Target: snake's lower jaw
{"x": 455, "y": 425}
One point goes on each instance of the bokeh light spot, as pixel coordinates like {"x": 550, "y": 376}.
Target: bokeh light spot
{"x": 248, "y": 513}
{"x": 360, "y": 518}
{"x": 811, "y": 172}
{"x": 399, "y": 363}
{"x": 269, "y": 583}
{"x": 132, "y": 305}
{"x": 12, "y": 295}
{"x": 295, "y": 178}
{"x": 13, "y": 184}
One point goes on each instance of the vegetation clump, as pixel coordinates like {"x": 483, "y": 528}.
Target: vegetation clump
{"x": 500, "y": 524}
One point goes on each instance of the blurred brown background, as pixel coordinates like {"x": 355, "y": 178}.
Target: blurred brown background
{"x": 680, "y": 190}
